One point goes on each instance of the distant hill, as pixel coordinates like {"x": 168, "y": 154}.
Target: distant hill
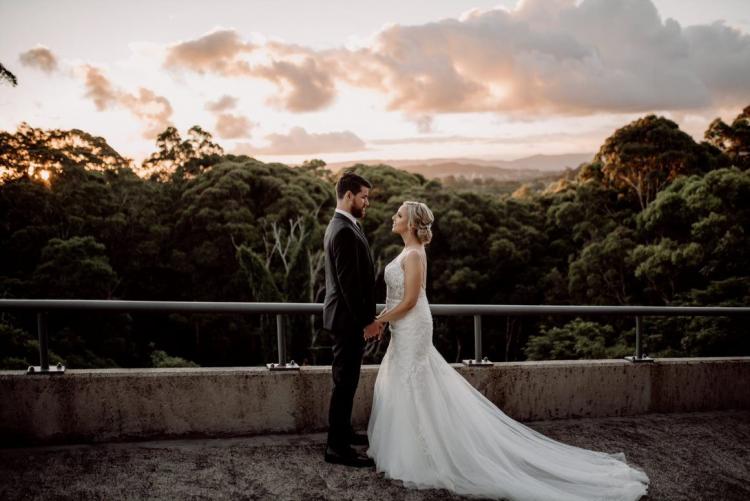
{"x": 522, "y": 169}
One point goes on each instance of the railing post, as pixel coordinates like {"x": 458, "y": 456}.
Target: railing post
{"x": 43, "y": 334}
{"x": 281, "y": 343}
{"x": 41, "y": 325}
{"x": 477, "y": 338}
{"x": 478, "y": 360}
{"x": 638, "y": 344}
{"x": 281, "y": 339}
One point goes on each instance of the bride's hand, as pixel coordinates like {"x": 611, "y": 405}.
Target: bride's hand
{"x": 373, "y": 330}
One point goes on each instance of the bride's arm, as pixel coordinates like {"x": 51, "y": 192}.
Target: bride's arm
{"x": 412, "y": 283}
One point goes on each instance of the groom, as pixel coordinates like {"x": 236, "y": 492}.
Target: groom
{"x": 349, "y": 309}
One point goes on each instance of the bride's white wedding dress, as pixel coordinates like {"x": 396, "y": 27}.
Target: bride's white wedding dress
{"x": 431, "y": 429}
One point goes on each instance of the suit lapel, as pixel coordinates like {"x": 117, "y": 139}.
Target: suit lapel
{"x": 360, "y": 233}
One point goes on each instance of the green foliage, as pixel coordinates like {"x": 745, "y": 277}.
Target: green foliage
{"x": 18, "y": 349}
{"x": 649, "y": 153}
{"x": 601, "y": 273}
{"x": 180, "y": 158}
{"x": 578, "y": 339}
{"x": 74, "y": 268}
{"x": 161, "y": 359}
{"x": 734, "y": 139}
{"x": 697, "y": 233}
{"x": 654, "y": 219}
{"x": 29, "y": 152}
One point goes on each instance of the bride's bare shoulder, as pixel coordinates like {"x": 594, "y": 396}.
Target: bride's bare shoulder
{"x": 413, "y": 257}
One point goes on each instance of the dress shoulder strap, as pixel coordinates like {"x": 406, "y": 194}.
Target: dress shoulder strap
{"x": 422, "y": 258}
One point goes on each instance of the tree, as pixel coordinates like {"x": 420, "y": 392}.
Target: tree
{"x": 162, "y": 359}
{"x": 19, "y": 349}
{"x": 42, "y": 154}
{"x": 602, "y": 273}
{"x": 648, "y": 154}
{"x": 578, "y": 339}
{"x": 6, "y": 75}
{"x": 697, "y": 233}
{"x": 183, "y": 158}
{"x": 733, "y": 140}
{"x": 241, "y": 203}
{"x": 74, "y": 268}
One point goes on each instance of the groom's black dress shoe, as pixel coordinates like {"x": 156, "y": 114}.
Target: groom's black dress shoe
{"x": 348, "y": 457}
{"x": 359, "y": 439}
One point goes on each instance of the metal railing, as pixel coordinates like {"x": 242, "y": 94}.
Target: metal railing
{"x": 42, "y": 307}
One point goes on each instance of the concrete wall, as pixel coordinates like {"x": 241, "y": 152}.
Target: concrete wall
{"x": 125, "y": 404}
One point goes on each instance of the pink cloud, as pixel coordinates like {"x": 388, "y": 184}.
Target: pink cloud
{"x": 300, "y": 142}
{"x": 222, "y": 104}
{"x": 41, "y": 58}
{"x": 153, "y": 110}
{"x": 217, "y": 52}
{"x": 545, "y": 56}
{"x": 229, "y": 126}
{"x": 305, "y": 87}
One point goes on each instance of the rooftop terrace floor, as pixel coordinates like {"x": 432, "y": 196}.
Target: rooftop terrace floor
{"x": 695, "y": 456}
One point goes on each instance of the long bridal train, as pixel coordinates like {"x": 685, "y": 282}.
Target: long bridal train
{"x": 431, "y": 429}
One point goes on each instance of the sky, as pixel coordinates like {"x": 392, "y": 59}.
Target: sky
{"x": 343, "y": 80}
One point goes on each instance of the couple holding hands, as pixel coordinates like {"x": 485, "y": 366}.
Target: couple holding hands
{"x": 428, "y": 426}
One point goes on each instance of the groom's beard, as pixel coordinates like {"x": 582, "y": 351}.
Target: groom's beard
{"x": 358, "y": 212}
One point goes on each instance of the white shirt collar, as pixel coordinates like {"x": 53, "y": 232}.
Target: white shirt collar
{"x": 348, "y": 214}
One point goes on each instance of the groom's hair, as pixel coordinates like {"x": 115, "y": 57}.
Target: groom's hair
{"x": 350, "y": 181}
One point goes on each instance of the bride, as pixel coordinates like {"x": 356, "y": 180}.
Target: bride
{"x": 431, "y": 429}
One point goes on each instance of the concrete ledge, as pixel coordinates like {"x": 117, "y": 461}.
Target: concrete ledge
{"x": 128, "y": 404}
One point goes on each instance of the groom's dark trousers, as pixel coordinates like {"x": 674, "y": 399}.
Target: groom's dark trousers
{"x": 349, "y": 306}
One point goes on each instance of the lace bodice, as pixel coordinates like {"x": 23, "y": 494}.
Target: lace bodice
{"x": 394, "y": 277}
{"x": 411, "y": 335}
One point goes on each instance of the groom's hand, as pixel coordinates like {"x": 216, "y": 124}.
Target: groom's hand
{"x": 373, "y": 330}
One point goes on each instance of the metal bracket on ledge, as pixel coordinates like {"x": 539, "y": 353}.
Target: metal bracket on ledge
{"x": 485, "y": 362}
{"x": 291, "y": 366}
{"x": 38, "y": 369}
{"x": 639, "y": 356}
{"x": 637, "y": 359}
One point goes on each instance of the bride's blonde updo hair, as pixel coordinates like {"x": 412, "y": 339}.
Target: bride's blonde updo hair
{"x": 420, "y": 219}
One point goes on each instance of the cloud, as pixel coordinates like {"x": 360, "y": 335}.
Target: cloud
{"x": 512, "y": 140}
{"x": 41, "y": 58}
{"x": 99, "y": 89}
{"x": 560, "y": 56}
{"x": 306, "y": 86}
{"x": 153, "y": 110}
{"x": 429, "y": 140}
{"x": 216, "y": 52}
{"x": 563, "y": 57}
{"x": 229, "y": 126}
{"x": 423, "y": 123}
{"x": 222, "y": 104}
{"x": 300, "y": 142}
{"x": 303, "y": 83}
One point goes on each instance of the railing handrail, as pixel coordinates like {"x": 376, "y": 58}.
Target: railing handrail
{"x": 43, "y": 306}
{"x": 313, "y": 308}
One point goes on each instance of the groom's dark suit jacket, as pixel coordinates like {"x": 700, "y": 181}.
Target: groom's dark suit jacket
{"x": 350, "y": 278}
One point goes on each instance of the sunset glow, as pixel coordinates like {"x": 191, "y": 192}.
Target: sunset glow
{"x": 503, "y": 79}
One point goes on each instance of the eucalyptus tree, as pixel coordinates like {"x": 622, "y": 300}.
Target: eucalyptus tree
{"x": 646, "y": 155}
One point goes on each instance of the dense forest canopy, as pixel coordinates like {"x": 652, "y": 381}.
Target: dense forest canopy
{"x": 655, "y": 219}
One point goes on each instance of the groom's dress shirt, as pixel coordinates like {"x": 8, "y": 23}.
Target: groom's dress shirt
{"x": 349, "y": 215}
{"x": 353, "y": 220}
